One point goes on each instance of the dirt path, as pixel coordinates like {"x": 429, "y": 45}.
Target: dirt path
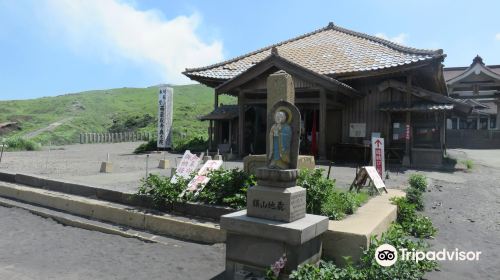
{"x": 50, "y": 127}
{"x": 466, "y": 211}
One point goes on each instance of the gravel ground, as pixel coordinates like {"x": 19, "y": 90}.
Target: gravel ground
{"x": 34, "y": 248}
{"x": 464, "y": 206}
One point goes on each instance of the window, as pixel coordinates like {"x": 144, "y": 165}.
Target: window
{"x": 470, "y": 123}
{"x": 493, "y": 122}
{"x": 426, "y": 137}
{"x": 454, "y": 123}
{"x": 483, "y": 123}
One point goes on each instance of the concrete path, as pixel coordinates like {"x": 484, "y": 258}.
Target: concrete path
{"x": 487, "y": 157}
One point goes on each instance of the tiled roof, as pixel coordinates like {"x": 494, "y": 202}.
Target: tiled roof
{"x": 418, "y": 107}
{"x": 332, "y": 51}
{"x": 223, "y": 112}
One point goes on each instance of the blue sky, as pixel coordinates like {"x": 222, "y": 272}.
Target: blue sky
{"x": 53, "y": 47}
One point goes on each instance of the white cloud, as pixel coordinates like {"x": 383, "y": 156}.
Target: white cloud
{"x": 399, "y": 39}
{"x": 115, "y": 30}
{"x": 497, "y": 37}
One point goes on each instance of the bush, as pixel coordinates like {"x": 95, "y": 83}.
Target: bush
{"x": 21, "y": 144}
{"x": 468, "y": 163}
{"x": 196, "y": 144}
{"x": 130, "y": 123}
{"x": 151, "y": 145}
{"x": 319, "y": 189}
{"x": 418, "y": 181}
{"x": 339, "y": 204}
{"x": 227, "y": 187}
{"x": 161, "y": 190}
{"x": 368, "y": 268}
{"x": 412, "y": 223}
{"x": 415, "y": 197}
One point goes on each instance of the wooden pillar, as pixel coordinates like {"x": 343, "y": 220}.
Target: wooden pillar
{"x": 230, "y": 140}
{"x": 216, "y": 100}
{"x": 322, "y": 124}
{"x": 210, "y": 134}
{"x": 241, "y": 124}
{"x": 407, "y": 155}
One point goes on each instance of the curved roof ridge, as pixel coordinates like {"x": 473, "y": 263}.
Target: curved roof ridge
{"x": 391, "y": 44}
{"x": 332, "y": 26}
{"x": 258, "y": 50}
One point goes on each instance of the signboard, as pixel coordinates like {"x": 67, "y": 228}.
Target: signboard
{"x": 378, "y": 156}
{"x": 165, "y": 113}
{"x": 407, "y": 132}
{"x": 199, "y": 181}
{"x": 357, "y": 130}
{"x": 368, "y": 173}
{"x": 189, "y": 164}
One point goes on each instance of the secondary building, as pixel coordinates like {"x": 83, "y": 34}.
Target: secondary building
{"x": 349, "y": 87}
{"x": 479, "y": 86}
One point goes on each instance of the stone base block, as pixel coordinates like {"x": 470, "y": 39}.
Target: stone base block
{"x": 253, "y": 244}
{"x": 218, "y": 157}
{"x": 164, "y": 164}
{"x": 279, "y": 204}
{"x": 106, "y": 167}
{"x": 206, "y": 158}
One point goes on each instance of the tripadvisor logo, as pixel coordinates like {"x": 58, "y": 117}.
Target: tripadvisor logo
{"x": 387, "y": 255}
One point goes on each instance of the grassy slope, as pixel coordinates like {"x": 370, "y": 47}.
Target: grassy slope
{"x": 93, "y": 111}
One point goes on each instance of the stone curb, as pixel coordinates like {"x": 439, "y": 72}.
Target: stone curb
{"x": 350, "y": 236}
{"x": 188, "y": 208}
{"x": 179, "y": 227}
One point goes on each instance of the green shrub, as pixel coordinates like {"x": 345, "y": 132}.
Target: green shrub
{"x": 149, "y": 146}
{"x": 130, "y": 123}
{"x": 339, "y": 204}
{"x": 413, "y": 223}
{"x": 227, "y": 187}
{"x": 415, "y": 197}
{"x": 196, "y": 144}
{"x": 468, "y": 163}
{"x": 367, "y": 268}
{"x": 161, "y": 190}
{"x": 418, "y": 181}
{"x": 21, "y": 144}
{"x": 319, "y": 189}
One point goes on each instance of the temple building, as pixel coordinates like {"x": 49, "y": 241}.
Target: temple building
{"x": 479, "y": 86}
{"x": 349, "y": 86}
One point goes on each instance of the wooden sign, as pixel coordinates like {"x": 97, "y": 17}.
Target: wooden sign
{"x": 189, "y": 164}
{"x": 357, "y": 130}
{"x": 368, "y": 174}
{"x": 378, "y": 155}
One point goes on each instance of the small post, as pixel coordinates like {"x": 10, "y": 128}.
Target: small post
{"x": 106, "y": 166}
{"x": 1, "y": 154}
{"x": 329, "y": 169}
{"x": 147, "y": 166}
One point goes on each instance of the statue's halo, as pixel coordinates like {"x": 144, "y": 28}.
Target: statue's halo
{"x": 287, "y": 112}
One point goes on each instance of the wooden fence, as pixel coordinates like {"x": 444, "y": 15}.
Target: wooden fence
{"x": 86, "y": 138}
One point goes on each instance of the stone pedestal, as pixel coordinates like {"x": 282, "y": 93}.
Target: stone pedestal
{"x": 253, "y": 244}
{"x": 164, "y": 164}
{"x": 106, "y": 167}
{"x": 218, "y": 157}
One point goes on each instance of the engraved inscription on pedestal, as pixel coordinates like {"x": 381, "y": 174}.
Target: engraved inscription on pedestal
{"x": 279, "y": 204}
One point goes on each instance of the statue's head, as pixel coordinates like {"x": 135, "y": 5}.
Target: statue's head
{"x": 280, "y": 117}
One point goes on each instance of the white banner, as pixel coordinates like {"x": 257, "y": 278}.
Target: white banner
{"x": 189, "y": 164}
{"x": 165, "y": 114}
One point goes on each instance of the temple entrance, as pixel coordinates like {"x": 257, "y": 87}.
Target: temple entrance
{"x": 255, "y": 129}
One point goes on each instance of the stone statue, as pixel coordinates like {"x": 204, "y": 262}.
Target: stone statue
{"x": 280, "y": 138}
{"x": 283, "y": 136}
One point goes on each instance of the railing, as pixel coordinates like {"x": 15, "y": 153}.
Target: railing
{"x": 86, "y": 138}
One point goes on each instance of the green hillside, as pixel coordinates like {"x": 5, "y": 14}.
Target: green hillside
{"x": 105, "y": 110}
